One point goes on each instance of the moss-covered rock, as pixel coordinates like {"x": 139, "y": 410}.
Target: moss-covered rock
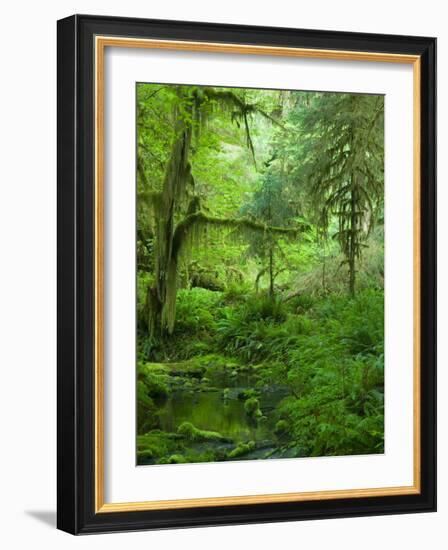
{"x": 157, "y": 386}
{"x": 252, "y": 407}
{"x": 146, "y": 412}
{"x": 242, "y": 449}
{"x": 143, "y": 397}
{"x": 146, "y": 453}
{"x": 247, "y": 394}
{"x": 190, "y": 432}
{"x": 281, "y": 427}
{"x": 157, "y": 444}
{"x": 154, "y": 379}
{"x": 174, "y": 459}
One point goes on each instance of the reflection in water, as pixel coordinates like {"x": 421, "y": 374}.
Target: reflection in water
{"x": 209, "y": 411}
{"x": 219, "y": 411}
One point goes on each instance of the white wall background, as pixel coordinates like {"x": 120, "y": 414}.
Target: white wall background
{"x": 28, "y": 272}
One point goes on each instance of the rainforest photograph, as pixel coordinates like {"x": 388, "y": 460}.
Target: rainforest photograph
{"x": 260, "y": 274}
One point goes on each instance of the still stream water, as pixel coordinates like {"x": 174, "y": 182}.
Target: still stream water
{"x": 215, "y": 410}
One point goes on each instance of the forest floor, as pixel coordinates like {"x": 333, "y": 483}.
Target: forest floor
{"x": 204, "y": 413}
{"x": 248, "y": 377}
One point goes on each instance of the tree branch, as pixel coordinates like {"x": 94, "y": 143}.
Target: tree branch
{"x": 182, "y": 230}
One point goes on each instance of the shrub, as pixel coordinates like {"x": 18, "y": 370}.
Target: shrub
{"x": 144, "y": 281}
{"x": 236, "y": 293}
{"x": 195, "y": 309}
{"x": 263, "y": 308}
{"x": 302, "y": 303}
{"x": 148, "y": 347}
{"x": 258, "y": 340}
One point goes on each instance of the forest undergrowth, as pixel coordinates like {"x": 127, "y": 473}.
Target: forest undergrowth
{"x": 323, "y": 352}
{"x": 260, "y": 274}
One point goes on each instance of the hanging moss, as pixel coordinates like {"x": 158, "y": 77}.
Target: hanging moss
{"x": 179, "y": 223}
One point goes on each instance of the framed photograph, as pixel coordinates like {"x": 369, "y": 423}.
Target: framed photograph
{"x": 246, "y": 274}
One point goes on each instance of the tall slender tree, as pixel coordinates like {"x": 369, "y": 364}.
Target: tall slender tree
{"x": 270, "y": 205}
{"x": 340, "y": 161}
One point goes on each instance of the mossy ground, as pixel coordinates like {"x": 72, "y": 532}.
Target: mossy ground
{"x": 327, "y": 360}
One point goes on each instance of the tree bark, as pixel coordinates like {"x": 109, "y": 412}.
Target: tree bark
{"x": 353, "y": 237}
{"x": 271, "y": 272}
{"x": 176, "y": 178}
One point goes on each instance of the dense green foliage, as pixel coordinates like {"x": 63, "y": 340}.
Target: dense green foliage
{"x": 259, "y": 274}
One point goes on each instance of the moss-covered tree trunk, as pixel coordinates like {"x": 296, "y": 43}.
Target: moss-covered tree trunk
{"x": 353, "y": 232}
{"x": 162, "y": 297}
{"x": 271, "y": 271}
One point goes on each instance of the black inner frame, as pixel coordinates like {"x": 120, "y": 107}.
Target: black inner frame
{"x": 76, "y": 263}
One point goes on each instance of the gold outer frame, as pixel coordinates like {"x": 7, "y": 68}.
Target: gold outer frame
{"x": 101, "y": 42}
